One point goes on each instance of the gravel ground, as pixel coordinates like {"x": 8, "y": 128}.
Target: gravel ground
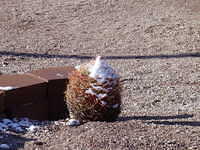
{"x": 153, "y": 44}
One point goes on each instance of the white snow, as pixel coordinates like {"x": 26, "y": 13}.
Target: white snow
{"x": 73, "y": 122}
{"x": 101, "y": 71}
{"x": 7, "y": 121}
{"x": 101, "y": 96}
{"x": 99, "y": 88}
{"x": 6, "y": 88}
{"x": 3, "y": 127}
{"x": 25, "y": 123}
{"x": 32, "y": 128}
{"x": 4, "y": 146}
{"x": 59, "y": 75}
{"x": 13, "y": 125}
{"x": 94, "y": 70}
{"x": 17, "y": 125}
{"x": 18, "y": 129}
{"x": 103, "y": 74}
{"x": 103, "y": 102}
{"x": 90, "y": 91}
{"x": 77, "y": 67}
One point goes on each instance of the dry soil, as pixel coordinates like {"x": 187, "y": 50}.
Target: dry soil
{"x": 153, "y": 44}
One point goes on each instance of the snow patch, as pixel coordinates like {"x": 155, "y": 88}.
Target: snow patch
{"x": 7, "y": 88}
{"x": 101, "y": 71}
{"x": 103, "y": 102}
{"x": 99, "y": 88}
{"x": 7, "y": 121}
{"x": 25, "y": 122}
{"x": 90, "y": 91}
{"x": 17, "y": 125}
{"x": 32, "y": 128}
{"x": 94, "y": 70}
{"x": 77, "y": 67}
{"x": 4, "y": 146}
{"x": 101, "y": 96}
{"x": 73, "y": 122}
{"x": 59, "y": 75}
{"x": 3, "y": 127}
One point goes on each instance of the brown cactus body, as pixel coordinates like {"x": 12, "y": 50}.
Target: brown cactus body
{"x": 90, "y": 100}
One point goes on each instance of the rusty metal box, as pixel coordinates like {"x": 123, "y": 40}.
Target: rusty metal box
{"x": 57, "y": 78}
{"x": 25, "y": 96}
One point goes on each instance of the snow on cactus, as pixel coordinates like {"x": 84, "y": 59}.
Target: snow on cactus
{"x": 93, "y": 92}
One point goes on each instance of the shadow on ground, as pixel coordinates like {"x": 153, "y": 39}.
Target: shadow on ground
{"x": 163, "y": 120}
{"x": 182, "y": 116}
{"x": 13, "y": 140}
{"x": 181, "y": 123}
{"x": 36, "y": 55}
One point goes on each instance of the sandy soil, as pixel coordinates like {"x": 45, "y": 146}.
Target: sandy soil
{"x": 153, "y": 44}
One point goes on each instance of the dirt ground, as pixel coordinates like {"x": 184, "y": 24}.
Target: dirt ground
{"x": 153, "y": 44}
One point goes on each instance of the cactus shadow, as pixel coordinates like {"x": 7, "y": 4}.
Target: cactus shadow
{"x": 163, "y": 120}
{"x": 15, "y": 141}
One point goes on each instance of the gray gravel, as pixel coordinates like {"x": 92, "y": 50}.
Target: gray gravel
{"x": 153, "y": 44}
